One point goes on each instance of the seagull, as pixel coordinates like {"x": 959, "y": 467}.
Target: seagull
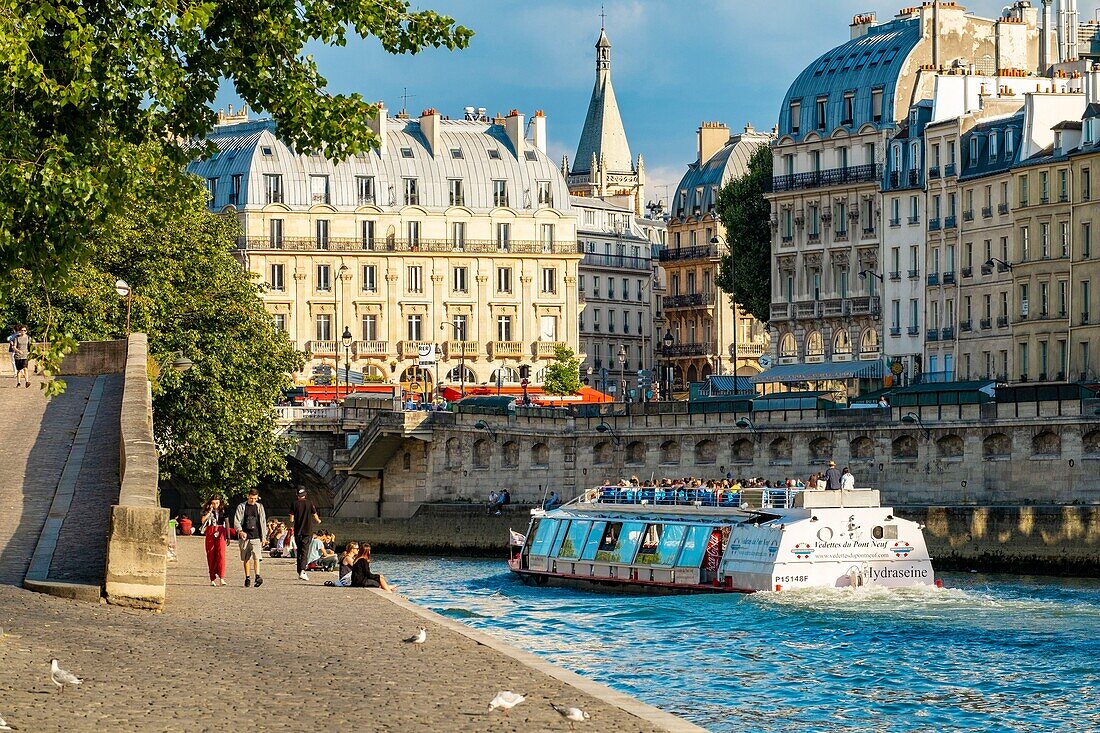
{"x": 419, "y": 637}
{"x": 61, "y": 677}
{"x": 4, "y": 725}
{"x": 573, "y": 715}
{"x": 506, "y": 700}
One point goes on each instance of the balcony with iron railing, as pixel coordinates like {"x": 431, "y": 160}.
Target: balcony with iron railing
{"x": 947, "y": 333}
{"x": 914, "y": 274}
{"x": 1002, "y": 209}
{"x": 623, "y": 262}
{"x": 965, "y": 326}
{"x": 868, "y": 173}
{"x": 949, "y": 222}
{"x": 985, "y": 324}
{"x": 322, "y": 348}
{"x": 934, "y": 224}
{"x": 933, "y": 334}
{"x": 1002, "y": 321}
{"x": 914, "y": 220}
{"x": 949, "y": 169}
{"x": 913, "y": 331}
{"x": 356, "y": 244}
{"x": 895, "y": 221}
{"x": 934, "y": 171}
{"x": 968, "y": 271}
{"x": 371, "y": 349}
{"x": 813, "y": 238}
{"x": 895, "y": 330}
{"x": 690, "y": 300}
{"x": 506, "y": 349}
{"x": 987, "y": 212}
{"x": 949, "y": 278}
{"x": 684, "y": 350}
{"x": 461, "y": 349}
{"x": 903, "y": 179}
{"x": 410, "y": 349}
{"x": 933, "y": 278}
{"x": 968, "y": 215}
{"x": 547, "y": 349}
{"x": 895, "y": 275}
{"x": 697, "y": 252}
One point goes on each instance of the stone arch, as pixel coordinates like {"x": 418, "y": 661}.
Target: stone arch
{"x": 1046, "y": 443}
{"x": 868, "y": 341}
{"x": 510, "y": 454}
{"x": 842, "y": 342}
{"x": 779, "y": 451}
{"x": 670, "y": 452}
{"x": 453, "y": 453}
{"x": 482, "y": 451}
{"x": 705, "y": 372}
{"x": 742, "y": 450}
{"x": 692, "y": 374}
{"x": 636, "y": 453}
{"x": 950, "y": 447}
{"x": 815, "y": 346}
{"x": 315, "y": 463}
{"x": 862, "y": 450}
{"x": 1090, "y": 444}
{"x": 904, "y": 448}
{"x": 821, "y": 450}
{"x": 996, "y": 446}
{"x": 706, "y": 451}
{"x": 540, "y": 454}
{"x": 602, "y": 453}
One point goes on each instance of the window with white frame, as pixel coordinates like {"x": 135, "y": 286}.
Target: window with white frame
{"x": 370, "y": 328}
{"x": 414, "y": 328}
{"x": 275, "y": 234}
{"x": 370, "y": 278}
{"x": 275, "y": 281}
{"x": 459, "y": 282}
{"x": 550, "y": 280}
{"x": 504, "y": 282}
{"x": 364, "y": 189}
{"x": 323, "y": 323}
{"x": 500, "y": 193}
{"x": 319, "y": 189}
{"x": 414, "y": 279}
{"x": 324, "y": 277}
{"x": 412, "y": 233}
{"x": 455, "y": 192}
{"x": 367, "y": 234}
{"x": 504, "y": 328}
{"x": 279, "y": 321}
{"x": 412, "y": 192}
{"x": 546, "y": 193}
{"x": 322, "y": 234}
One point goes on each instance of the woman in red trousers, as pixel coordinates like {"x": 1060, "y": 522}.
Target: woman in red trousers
{"x": 215, "y": 525}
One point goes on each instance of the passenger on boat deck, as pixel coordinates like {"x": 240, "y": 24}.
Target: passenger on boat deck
{"x": 552, "y": 502}
{"x": 847, "y": 480}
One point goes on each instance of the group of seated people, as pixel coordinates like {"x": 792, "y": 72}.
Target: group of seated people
{"x": 355, "y": 571}
{"x": 725, "y": 492}
{"x": 353, "y": 563}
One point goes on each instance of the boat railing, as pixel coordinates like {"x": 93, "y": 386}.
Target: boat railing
{"x": 763, "y": 497}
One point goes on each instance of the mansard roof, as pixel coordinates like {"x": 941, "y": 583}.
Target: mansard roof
{"x": 703, "y": 179}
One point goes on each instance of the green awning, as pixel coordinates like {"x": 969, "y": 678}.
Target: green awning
{"x": 786, "y": 373}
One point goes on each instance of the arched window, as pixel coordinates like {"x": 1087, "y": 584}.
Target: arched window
{"x": 635, "y": 453}
{"x": 841, "y": 343}
{"x": 1046, "y": 444}
{"x": 996, "y": 447}
{"x": 481, "y": 453}
{"x": 706, "y": 451}
{"x": 540, "y": 455}
{"x": 788, "y": 346}
{"x": 814, "y": 344}
{"x": 742, "y": 451}
{"x": 602, "y": 453}
{"x": 670, "y": 452}
{"x": 950, "y": 447}
{"x": 868, "y": 342}
{"x": 455, "y": 376}
{"x": 510, "y": 451}
{"x": 862, "y": 449}
{"x": 507, "y": 375}
{"x": 821, "y": 450}
{"x": 779, "y": 451}
{"x": 905, "y": 448}
{"x": 454, "y": 453}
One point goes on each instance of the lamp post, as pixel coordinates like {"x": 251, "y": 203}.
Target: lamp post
{"x": 667, "y": 342}
{"x": 998, "y": 261}
{"x": 911, "y": 418}
{"x": 622, "y": 369}
{"x": 124, "y": 291}
{"x": 460, "y": 337}
{"x": 346, "y": 337}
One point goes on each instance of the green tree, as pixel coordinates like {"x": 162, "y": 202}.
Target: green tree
{"x": 215, "y": 423}
{"x": 745, "y": 270}
{"x": 91, "y": 88}
{"x": 563, "y": 375}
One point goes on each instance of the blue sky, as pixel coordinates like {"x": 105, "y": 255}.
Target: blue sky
{"x": 674, "y": 64}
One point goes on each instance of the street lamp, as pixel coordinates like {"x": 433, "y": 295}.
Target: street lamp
{"x": 181, "y": 363}
{"x": 482, "y": 425}
{"x": 605, "y": 428}
{"x": 746, "y": 423}
{"x": 911, "y": 418}
{"x": 997, "y": 260}
{"x": 622, "y": 369}
{"x": 124, "y": 291}
{"x": 667, "y": 343}
{"x": 346, "y": 337}
{"x": 461, "y": 353}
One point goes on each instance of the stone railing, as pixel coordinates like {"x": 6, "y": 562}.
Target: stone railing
{"x": 137, "y": 541}
{"x": 373, "y": 348}
{"x": 321, "y": 348}
{"x": 410, "y": 349}
{"x": 511, "y": 349}
{"x": 461, "y": 349}
{"x": 546, "y": 349}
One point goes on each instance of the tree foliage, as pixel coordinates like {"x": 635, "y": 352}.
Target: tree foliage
{"x": 91, "y": 88}
{"x": 563, "y": 375}
{"x": 745, "y": 270}
{"x": 215, "y": 423}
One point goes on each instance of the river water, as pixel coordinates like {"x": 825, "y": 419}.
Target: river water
{"x": 986, "y": 653}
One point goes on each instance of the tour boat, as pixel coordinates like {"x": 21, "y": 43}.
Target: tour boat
{"x": 676, "y": 539}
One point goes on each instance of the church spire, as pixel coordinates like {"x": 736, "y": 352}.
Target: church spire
{"x": 603, "y": 135}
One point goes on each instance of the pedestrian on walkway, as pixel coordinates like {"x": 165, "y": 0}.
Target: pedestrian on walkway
{"x": 303, "y": 516}
{"x": 21, "y": 353}
{"x": 250, "y": 521}
{"x": 215, "y": 525}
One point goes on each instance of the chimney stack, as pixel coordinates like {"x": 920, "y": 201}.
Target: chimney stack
{"x": 429, "y": 128}
{"x": 513, "y": 128}
{"x": 861, "y": 24}
{"x": 378, "y": 125}
{"x": 712, "y": 136}
{"x": 538, "y": 130}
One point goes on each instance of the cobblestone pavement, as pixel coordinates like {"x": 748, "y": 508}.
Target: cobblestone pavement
{"x": 289, "y": 656}
{"x": 35, "y": 437}
{"x": 81, "y": 553}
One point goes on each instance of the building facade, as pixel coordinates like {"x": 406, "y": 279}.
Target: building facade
{"x": 709, "y": 334}
{"x": 617, "y": 283}
{"x": 455, "y": 238}
{"x": 834, "y": 126}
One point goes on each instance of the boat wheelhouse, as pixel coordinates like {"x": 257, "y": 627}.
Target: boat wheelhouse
{"x": 705, "y": 540}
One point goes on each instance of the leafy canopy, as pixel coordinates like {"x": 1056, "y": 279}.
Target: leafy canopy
{"x": 745, "y": 271}
{"x": 563, "y": 375}
{"x": 215, "y": 423}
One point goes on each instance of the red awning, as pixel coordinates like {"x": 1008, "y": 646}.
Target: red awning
{"x": 586, "y": 395}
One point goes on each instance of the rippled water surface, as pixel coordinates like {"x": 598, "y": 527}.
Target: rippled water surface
{"x": 988, "y": 653}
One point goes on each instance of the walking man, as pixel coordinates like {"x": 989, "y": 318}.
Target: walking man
{"x": 832, "y": 477}
{"x": 303, "y": 517}
{"x": 21, "y": 353}
{"x": 250, "y": 521}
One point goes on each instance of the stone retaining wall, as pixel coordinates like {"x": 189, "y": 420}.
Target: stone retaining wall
{"x": 137, "y": 543}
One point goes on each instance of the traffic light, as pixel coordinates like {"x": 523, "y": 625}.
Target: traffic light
{"x": 525, "y": 371}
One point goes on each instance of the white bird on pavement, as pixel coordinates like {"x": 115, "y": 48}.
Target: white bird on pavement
{"x": 4, "y": 725}
{"x": 573, "y": 715}
{"x": 419, "y": 637}
{"x": 61, "y": 677}
{"x": 505, "y": 699}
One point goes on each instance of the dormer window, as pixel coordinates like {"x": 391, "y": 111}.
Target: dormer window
{"x": 266, "y": 151}
{"x": 1010, "y": 142}
{"x": 993, "y": 145}
{"x": 494, "y": 154}
{"x": 530, "y": 155}
{"x": 1088, "y": 132}
{"x": 1057, "y": 139}
{"x": 796, "y": 113}
{"x": 973, "y": 151}
{"x": 849, "y": 107}
{"x": 890, "y": 55}
{"x": 406, "y": 152}
{"x": 820, "y": 109}
{"x": 456, "y": 153}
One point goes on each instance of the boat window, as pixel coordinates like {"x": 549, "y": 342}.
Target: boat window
{"x": 651, "y": 540}
{"x": 622, "y": 550}
{"x": 592, "y": 544}
{"x": 671, "y": 539}
{"x": 695, "y": 544}
{"x": 573, "y": 543}
{"x": 563, "y": 527}
{"x": 544, "y": 535}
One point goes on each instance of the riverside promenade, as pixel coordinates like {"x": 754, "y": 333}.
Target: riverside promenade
{"x": 289, "y": 655}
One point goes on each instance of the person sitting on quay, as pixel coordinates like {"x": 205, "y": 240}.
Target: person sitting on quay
{"x": 493, "y": 503}
{"x": 361, "y": 575}
{"x": 317, "y": 557}
{"x": 347, "y": 559}
{"x": 552, "y": 502}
